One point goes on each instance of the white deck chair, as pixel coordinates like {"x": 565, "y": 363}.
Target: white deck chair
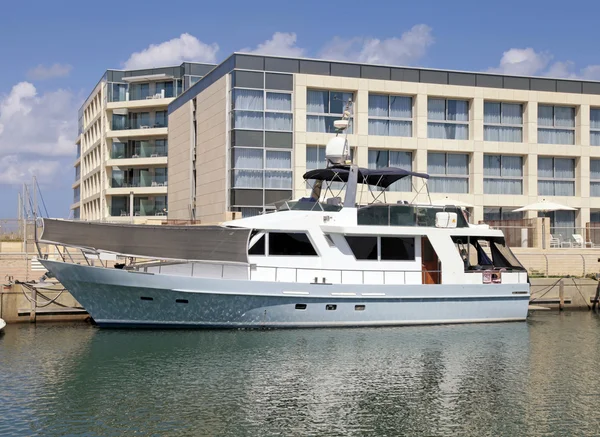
{"x": 580, "y": 242}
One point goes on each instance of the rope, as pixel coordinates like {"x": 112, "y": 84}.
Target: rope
{"x": 49, "y": 301}
{"x": 549, "y": 288}
{"x": 580, "y": 293}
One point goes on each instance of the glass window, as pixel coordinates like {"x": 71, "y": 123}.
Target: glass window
{"x": 500, "y": 213}
{"x": 393, "y": 158}
{"x": 165, "y": 89}
{"x": 595, "y": 177}
{"x": 290, "y": 244}
{"x": 161, "y": 119}
{"x": 449, "y": 172}
{"x": 363, "y": 248}
{"x": 503, "y": 122}
{"x": 448, "y": 119}
{"x": 595, "y": 126}
{"x": 397, "y": 249}
{"x": 258, "y": 248}
{"x": 556, "y": 176}
{"x": 390, "y": 115}
{"x": 320, "y": 105}
{"x": 556, "y": 124}
{"x": 251, "y": 112}
{"x": 502, "y": 174}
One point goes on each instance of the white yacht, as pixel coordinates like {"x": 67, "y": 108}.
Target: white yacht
{"x": 315, "y": 262}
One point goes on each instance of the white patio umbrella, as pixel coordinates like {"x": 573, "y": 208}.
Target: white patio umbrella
{"x": 544, "y": 207}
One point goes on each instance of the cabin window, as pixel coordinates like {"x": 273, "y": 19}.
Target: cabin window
{"x": 363, "y": 247}
{"x": 258, "y": 248}
{"x": 290, "y": 244}
{"x": 397, "y": 249}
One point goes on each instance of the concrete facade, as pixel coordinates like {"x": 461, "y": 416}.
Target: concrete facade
{"x": 121, "y": 164}
{"x": 217, "y": 124}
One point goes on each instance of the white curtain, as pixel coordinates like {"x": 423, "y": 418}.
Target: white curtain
{"x": 564, "y": 168}
{"x": 512, "y": 166}
{"x": 248, "y": 178}
{"x": 492, "y": 165}
{"x": 512, "y": 113}
{"x": 595, "y": 138}
{"x": 595, "y": 118}
{"x": 458, "y": 110}
{"x": 595, "y": 191}
{"x": 503, "y": 134}
{"x": 338, "y": 101}
{"x": 248, "y": 120}
{"x": 247, "y": 158}
{"x": 448, "y": 185}
{"x": 595, "y": 169}
{"x": 278, "y": 179}
{"x": 378, "y": 105}
{"x": 317, "y": 101}
{"x": 250, "y": 212}
{"x": 562, "y": 223}
{"x": 393, "y": 128}
{"x": 400, "y": 128}
{"x": 378, "y": 127}
{"x": 278, "y": 121}
{"x": 458, "y": 164}
{"x": 556, "y": 188}
{"x": 502, "y": 186}
{"x": 545, "y": 168}
{"x": 400, "y": 107}
{"x": 436, "y": 109}
{"x": 279, "y": 102}
{"x": 251, "y": 100}
{"x": 556, "y": 136}
{"x": 448, "y": 131}
{"x": 564, "y": 116}
{"x": 436, "y": 163}
{"x": 491, "y": 112}
{"x": 278, "y": 159}
{"x": 319, "y": 123}
{"x": 401, "y": 160}
{"x": 315, "y": 157}
{"x": 379, "y": 158}
{"x": 545, "y": 115}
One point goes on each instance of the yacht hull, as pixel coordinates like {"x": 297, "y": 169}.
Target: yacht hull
{"x": 119, "y": 298}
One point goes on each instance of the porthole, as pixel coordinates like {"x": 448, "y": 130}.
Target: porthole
{"x": 330, "y": 307}
{"x": 359, "y": 307}
{"x": 300, "y": 306}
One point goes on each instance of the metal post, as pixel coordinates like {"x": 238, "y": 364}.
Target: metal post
{"x": 561, "y": 295}
{"x": 131, "y": 204}
{"x": 32, "y": 312}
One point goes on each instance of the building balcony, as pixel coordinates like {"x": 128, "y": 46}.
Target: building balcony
{"x": 150, "y": 102}
{"x": 146, "y": 190}
{"x": 145, "y": 131}
{"x": 137, "y": 161}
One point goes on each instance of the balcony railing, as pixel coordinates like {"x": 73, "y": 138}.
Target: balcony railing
{"x": 138, "y": 182}
{"x": 151, "y": 152}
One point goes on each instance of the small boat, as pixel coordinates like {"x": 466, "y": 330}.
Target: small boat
{"x": 316, "y": 262}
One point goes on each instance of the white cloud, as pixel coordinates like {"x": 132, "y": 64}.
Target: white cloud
{"x": 16, "y": 169}
{"x": 280, "y": 44}
{"x": 35, "y": 130}
{"x": 523, "y": 62}
{"x": 528, "y": 62}
{"x": 41, "y": 72}
{"x": 410, "y": 48}
{"x": 175, "y": 51}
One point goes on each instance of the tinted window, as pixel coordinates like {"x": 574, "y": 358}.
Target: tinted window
{"x": 397, "y": 249}
{"x": 290, "y": 244}
{"x": 363, "y": 247}
{"x": 258, "y": 248}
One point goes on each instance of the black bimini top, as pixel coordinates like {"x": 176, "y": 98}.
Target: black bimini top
{"x": 380, "y": 177}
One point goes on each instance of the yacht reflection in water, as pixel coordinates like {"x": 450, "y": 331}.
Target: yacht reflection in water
{"x": 413, "y": 381}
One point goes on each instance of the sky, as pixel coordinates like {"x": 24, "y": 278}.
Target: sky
{"x": 52, "y": 53}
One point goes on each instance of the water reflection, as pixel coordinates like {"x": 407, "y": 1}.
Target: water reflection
{"x": 536, "y": 378}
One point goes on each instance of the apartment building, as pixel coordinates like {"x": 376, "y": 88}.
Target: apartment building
{"x": 121, "y": 164}
{"x": 241, "y": 138}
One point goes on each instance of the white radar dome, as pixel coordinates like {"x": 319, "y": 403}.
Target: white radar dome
{"x": 336, "y": 150}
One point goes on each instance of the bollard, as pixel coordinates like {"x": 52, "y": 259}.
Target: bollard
{"x": 561, "y": 295}
{"x": 32, "y": 313}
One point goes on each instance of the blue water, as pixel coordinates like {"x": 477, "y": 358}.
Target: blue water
{"x": 539, "y": 378}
